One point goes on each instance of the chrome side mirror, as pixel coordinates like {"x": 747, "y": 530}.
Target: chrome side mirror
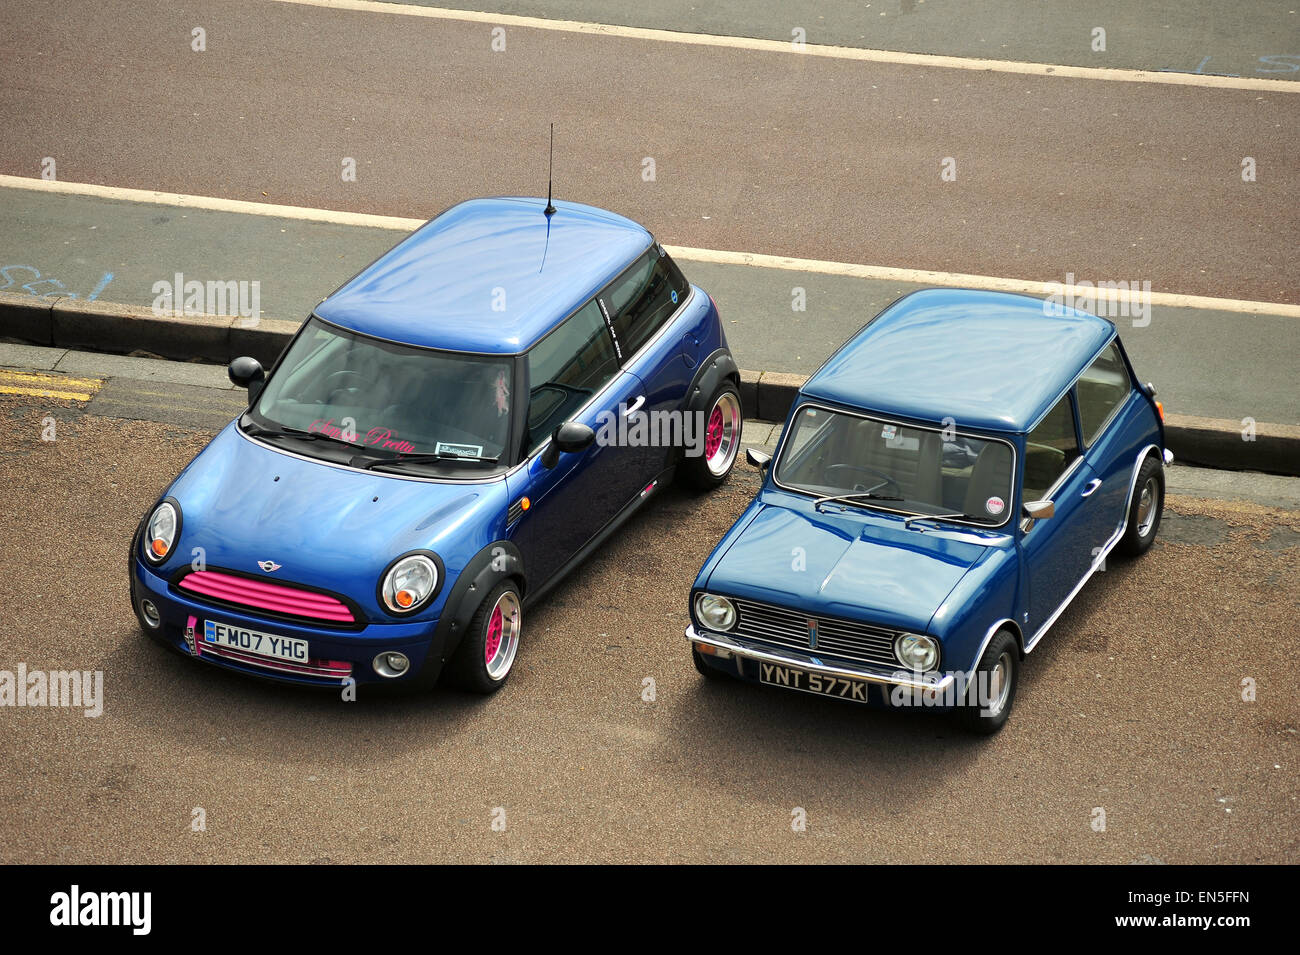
{"x": 759, "y": 459}
{"x": 1039, "y": 510}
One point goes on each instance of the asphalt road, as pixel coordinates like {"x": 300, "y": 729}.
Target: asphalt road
{"x": 756, "y": 151}
{"x": 1244, "y": 38}
{"x": 1132, "y": 705}
{"x": 1206, "y": 362}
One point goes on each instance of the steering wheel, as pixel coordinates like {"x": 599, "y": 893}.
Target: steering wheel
{"x": 341, "y": 376}
{"x": 885, "y": 478}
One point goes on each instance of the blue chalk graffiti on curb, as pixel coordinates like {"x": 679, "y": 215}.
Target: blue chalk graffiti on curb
{"x": 13, "y": 273}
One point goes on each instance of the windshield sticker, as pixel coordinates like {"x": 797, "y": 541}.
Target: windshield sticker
{"x": 385, "y": 438}
{"x": 995, "y": 505}
{"x": 459, "y": 450}
{"x": 502, "y": 391}
{"x": 889, "y": 432}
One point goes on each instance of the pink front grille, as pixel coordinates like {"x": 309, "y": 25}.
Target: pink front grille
{"x": 267, "y": 596}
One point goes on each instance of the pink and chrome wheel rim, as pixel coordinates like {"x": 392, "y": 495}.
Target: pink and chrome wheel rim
{"x": 722, "y": 434}
{"x": 502, "y": 639}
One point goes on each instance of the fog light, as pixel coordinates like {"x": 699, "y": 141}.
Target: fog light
{"x": 150, "y": 613}
{"x": 391, "y": 664}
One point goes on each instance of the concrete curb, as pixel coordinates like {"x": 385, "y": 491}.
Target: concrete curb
{"x": 67, "y": 322}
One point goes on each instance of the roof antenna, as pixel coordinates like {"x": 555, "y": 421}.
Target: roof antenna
{"x": 550, "y": 206}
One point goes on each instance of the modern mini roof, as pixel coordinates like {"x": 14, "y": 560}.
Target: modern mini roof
{"x": 989, "y": 360}
{"x": 489, "y": 275}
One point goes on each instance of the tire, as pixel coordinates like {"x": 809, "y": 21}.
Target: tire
{"x": 986, "y": 716}
{"x": 723, "y": 423}
{"x": 706, "y": 671}
{"x": 487, "y": 652}
{"x": 1145, "y": 509}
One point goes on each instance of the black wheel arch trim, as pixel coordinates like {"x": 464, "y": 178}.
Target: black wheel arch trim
{"x": 498, "y": 561}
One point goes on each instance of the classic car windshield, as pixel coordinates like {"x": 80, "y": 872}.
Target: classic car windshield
{"x": 897, "y": 467}
{"x": 390, "y": 399}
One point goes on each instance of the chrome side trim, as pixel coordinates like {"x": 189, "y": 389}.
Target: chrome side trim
{"x": 1101, "y": 553}
{"x": 880, "y": 675}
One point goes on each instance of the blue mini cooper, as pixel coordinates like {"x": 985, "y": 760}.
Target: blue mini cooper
{"x": 946, "y": 483}
{"x": 447, "y": 435}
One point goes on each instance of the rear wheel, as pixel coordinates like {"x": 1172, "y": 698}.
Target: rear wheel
{"x": 722, "y": 426}
{"x": 1145, "y": 509}
{"x": 486, "y": 654}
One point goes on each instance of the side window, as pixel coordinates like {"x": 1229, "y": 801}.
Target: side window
{"x": 644, "y": 297}
{"x": 1050, "y": 449}
{"x": 566, "y": 368}
{"x": 1101, "y": 389}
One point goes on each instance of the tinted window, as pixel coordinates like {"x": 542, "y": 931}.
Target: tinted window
{"x": 641, "y": 299}
{"x": 1049, "y": 450}
{"x": 1101, "y": 388}
{"x": 566, "y": 368}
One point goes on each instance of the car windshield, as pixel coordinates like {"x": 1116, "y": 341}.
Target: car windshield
{"x": 892, "y": 466}
{"x": 389, "y": 400}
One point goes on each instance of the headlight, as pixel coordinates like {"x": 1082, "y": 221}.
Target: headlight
{"x": 160, "y": 532}
{"x": 409, "y": 583}
{"x": 716, "y": 613}
{"x": 916, "y": 651}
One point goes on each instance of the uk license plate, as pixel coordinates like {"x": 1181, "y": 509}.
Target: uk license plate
{"x": 253, "y": 641}
{"x": 794, "y": 679}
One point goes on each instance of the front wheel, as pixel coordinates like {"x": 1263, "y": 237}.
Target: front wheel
{"x": 486, "y": 654}
{"x": 1145, "y": 510}
{"x": 992, "y": 689}
{"x": 708, "y": 466}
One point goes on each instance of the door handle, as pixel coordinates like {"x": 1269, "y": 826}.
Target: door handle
{"x": 634, "y": 407}
{"x": 1091, "y": 486}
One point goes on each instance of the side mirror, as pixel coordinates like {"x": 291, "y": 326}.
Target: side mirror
{"x": 246, "y": 372}
{"x": 568, "y": 438}
{"x": 1039, "y": 510}
{"x": 759, "y": 459}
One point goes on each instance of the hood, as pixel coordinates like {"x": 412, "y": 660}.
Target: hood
{"x": 329, "y": 527}
{"x": 849, "y": 565}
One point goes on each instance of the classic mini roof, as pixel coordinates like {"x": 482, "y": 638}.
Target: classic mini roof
{"x": 488, "y": 275}
{"x": 990, "y": 360}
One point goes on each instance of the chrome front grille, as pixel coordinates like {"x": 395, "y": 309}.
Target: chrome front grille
{"x": 836, "y": 639}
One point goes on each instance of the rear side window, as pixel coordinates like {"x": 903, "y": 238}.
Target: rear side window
{"x": 566, "y": 368}
{"x": 1101, "y": 390}
{"x": 642, "y": 299}
{"x": 1050, "y": 449}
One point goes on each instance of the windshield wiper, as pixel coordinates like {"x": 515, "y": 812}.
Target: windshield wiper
{"x": 907, "y": 522}
{"x": 373, "y": 464}
{"x": 851, "y": 498}
{"x": 260, "y": 431}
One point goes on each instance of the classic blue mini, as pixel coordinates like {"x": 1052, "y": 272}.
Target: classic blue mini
{"x": 447, "y": 435}
{"x": 946, "y": 483}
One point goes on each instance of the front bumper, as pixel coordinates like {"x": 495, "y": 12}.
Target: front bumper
{"x": 747, "y": 650}
{"x": 356, "y": 647}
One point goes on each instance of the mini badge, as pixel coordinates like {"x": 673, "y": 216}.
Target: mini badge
{"x": 269, "y": 566}
{"x": 995, "y": 505}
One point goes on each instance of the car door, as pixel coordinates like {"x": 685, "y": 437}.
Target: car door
{"x": 639, "y": 304}
{"x": 1100, "y": 394}
{"x": 1056, "y": 550}
{"x": 573, "y": 376}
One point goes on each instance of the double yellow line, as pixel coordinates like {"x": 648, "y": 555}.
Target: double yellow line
{"x": 48, "y": 386}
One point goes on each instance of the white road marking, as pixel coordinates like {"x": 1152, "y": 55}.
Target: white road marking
{"x": 812, "y": 49}
{"x": 715, "y": 256}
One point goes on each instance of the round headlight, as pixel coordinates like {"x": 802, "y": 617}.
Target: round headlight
{"x": 916, "y": 651}
{"x": 409, "y": 583}
{"x": 716, "y": 613}
{"x": 160, "y": 532}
